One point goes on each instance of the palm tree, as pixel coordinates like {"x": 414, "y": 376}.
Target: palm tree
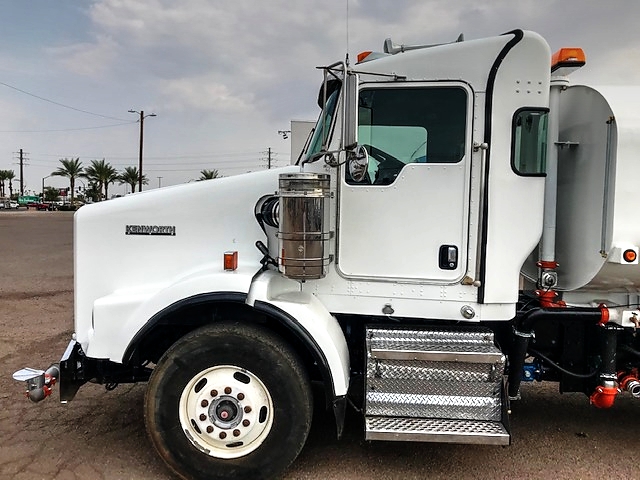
{"x": 72, "y": 169}
{"x": 130, "y": 176}
{"x": 3, "y": 177}
{"x": 10, "y": 176}
{"x": 110, "y": 176}
{"x": 92, "y": 192}
{"x": 92, "y": 174}
{"x": 102, "y": 173}
{"x": 209, "y": 174}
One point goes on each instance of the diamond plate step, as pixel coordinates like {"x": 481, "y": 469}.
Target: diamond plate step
{"x": 428, "y": 373}
{"x": 436, "y": 430}
{"x": 445, "y": 345}
{"x": 477, "y": 401}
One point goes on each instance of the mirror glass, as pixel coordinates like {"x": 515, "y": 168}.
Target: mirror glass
{"x": 357, "y": 163}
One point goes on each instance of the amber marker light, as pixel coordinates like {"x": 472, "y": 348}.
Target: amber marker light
{"x": 231, "y": 260}
{"x": 630, "y": 255}
{"x": 567, "y": 60}
{"x": 363, "y": 55}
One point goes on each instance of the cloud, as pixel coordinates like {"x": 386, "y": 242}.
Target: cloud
{"x": 203, "y": 94}
{"x": 91, "y": 59}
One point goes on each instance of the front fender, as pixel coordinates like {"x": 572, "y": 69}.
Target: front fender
{"x": 273, "y": 294}
{"x": 118, "y": 317}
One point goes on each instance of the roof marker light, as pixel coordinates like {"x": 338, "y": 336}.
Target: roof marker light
{"x": 363, "y": 55}
{"x": 567, "y": 60}
{"x": 367, "y": 56}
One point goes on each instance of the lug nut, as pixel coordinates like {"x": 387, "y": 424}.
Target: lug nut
{"x": 214, "y": 393}
{"x": 236, "y": 433}
{"x": 247, "y": 409}
{"x": 241, "y": 396}
{"x": 227, "y": 390}
{"x": 209, "y": 429}
{"x": 204, "y": 403}
{"x": 203, "y": 417}
{"x": 245, "y": 423}
{"x": 223, "y": 435}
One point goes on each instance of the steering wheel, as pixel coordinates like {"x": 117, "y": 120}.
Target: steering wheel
{"x": 380, "y": 155}
{"x": 388, "y": 165}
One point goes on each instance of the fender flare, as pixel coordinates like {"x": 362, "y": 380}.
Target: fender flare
{"x": 338, "y": 401}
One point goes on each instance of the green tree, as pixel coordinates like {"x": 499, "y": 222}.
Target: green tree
{"x": 72, "y": 169}
{"x": 130, "y": 176}
{"x": 51, "y": 194}
{"x": 92, "y": 192}
{"x": 3, "y": 178}
{"x": 209, "y": 174}
{"x": 102, "y": 173}
{"x": 10, "y": 176}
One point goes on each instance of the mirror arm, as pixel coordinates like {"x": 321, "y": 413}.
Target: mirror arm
{"x": 317, "y": 156}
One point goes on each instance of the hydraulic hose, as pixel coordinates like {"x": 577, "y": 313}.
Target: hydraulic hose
{"x": 561, "y": 369}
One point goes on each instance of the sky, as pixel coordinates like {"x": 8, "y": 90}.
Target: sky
{"x": 224, "y": 77}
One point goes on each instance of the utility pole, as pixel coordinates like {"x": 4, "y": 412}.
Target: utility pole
{"x": 269, "y": 158}
{"x": 142, "y": 117}
{"x": 22, "y": 174}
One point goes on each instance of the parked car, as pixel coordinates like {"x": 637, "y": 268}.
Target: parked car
{"x": 41, "y": 206}
{"x": 9, "y": 204}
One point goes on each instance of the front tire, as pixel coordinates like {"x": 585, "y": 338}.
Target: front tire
{"x": 229, "y": 401}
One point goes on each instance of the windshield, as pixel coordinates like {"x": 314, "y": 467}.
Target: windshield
{"x": 321, "y": 130}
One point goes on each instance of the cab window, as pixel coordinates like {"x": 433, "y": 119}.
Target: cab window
{"x": 406, "y": 125}
{"x": 529, "y": 142}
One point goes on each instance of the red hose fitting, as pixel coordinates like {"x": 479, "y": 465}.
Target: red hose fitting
{"x": 548, "y": 299}
{"x": 547, "y": 264}
{"x": 604, "y": 315}
{"x": 604, "y": 397}
{"x": 629, "y": 381}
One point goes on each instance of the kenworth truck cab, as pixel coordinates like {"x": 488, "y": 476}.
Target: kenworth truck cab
{"x": 462, "y": 219}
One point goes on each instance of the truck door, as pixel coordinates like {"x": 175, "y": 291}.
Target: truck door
{"x": 409, "y": 218}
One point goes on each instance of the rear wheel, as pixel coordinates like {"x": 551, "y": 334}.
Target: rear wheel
{"x": 229, "y": 401}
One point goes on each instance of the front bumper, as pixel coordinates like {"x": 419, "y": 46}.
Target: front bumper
{"x": 74, "y": 370}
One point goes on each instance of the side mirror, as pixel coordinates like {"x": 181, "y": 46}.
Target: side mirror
{"x": 350, "y": 120}
{"x": 358, "y": 163}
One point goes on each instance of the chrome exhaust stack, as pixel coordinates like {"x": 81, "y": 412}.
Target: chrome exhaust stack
{"x": 39, "y": 383}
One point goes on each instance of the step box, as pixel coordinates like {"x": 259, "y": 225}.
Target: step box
{"x": 435, "y": 385}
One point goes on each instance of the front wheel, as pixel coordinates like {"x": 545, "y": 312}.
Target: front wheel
{"x": 229, "y": 401}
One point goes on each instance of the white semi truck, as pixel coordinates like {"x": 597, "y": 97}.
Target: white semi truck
{"x": 462, "y": 219}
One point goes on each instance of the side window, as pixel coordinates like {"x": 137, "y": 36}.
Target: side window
{"x": 405, "y": 125}
{"x": 529, "y": 142}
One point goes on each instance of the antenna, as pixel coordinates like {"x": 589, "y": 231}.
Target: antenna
{"x": 346, "y": 57}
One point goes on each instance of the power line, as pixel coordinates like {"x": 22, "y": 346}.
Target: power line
{"x": 243, "y": 167}
{"x": 44, "y": 163}
{"x": 67, "y": 129}
{"x": 60, "y": 104}
{"x": 166, "y": 157}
